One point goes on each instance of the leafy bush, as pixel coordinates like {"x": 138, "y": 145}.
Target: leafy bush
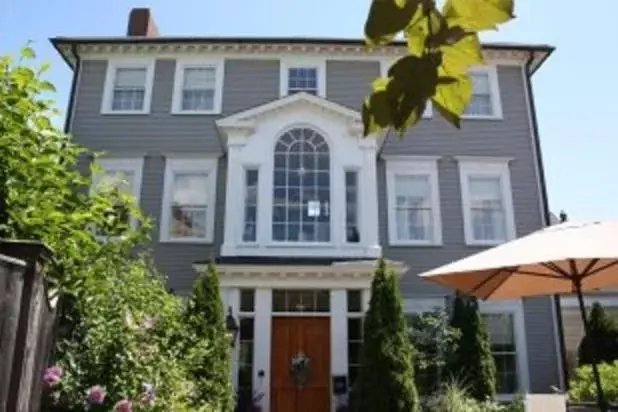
{"x": 435, "y": 342}
{"x": 472, "y": 362}
{"x": 386, "y": 379}
{"x": 121, "y": 340}
{"x": 582, "y": 386}
{"x": 603, "y": 334}
{"x": 454, "y": 397}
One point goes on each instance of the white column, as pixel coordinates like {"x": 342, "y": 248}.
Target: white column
{"x": 338, "y": 335}
{"x": 369, "y": 199}
{"x": 262, "y": 337}
{"x": 233, "y": 201}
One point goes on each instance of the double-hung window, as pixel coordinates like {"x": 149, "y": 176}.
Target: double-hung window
{"x": 198, "y": 87}
{"x": 189, "y": 200}
{"x": 413, "y": 201}
{"x": 487, "y": 201}
{"x": 501, "y": 331}
{"x": 249, "y": 233}
{"x": 485, "y": 99}
{"x": 125, "y": 177}
{"x": 303, "y": 76}
{"x": 128, "y": 87}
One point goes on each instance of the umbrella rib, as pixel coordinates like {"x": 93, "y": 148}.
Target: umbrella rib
{"x": 599, "y": 269}
{"x": 540, "y": 275}
{"x": 557, "y": 269}
{"x": 490, "y": 278}
{"x": 589, "y": 266}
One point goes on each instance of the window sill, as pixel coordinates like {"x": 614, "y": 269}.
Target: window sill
{"x": 481, "y": 243}
{"x": 195, "y": 112}
{"x": 187, "y": 240}
{"x": 481, "y": 117}
{"x": 125, "y": 112}
{"x": 403, "y": 243}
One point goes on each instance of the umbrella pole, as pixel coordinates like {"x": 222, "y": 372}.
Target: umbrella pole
{"x": 595, "y": 368}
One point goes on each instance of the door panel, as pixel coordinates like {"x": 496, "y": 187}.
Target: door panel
{"x": 290, "y": 337}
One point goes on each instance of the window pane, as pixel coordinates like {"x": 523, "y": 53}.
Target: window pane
{"x": 250, "y": 218}
{"x": 354, "y": 301}
{"x": 199, "y": 78}
{"x": 130, "y": 78}
{"x": 301, "y": 194}
{"x": 121, "y": 181}
{"x": 247, "y": 300}
{"x": 413, "y": 209}
{"x": 351, "y": 193}
{"x": 501, "y": 330}
{"x": 128, "y": 99}
{"x": 189, "y": 205}
{"x": 303, "y": 79}
{"x": 480, "y": 83}
{"x": 487, "y": 211}
{"x": 198, "y": 99}
{"x": 301, "y": 300}
{"x": 480, "y": 103}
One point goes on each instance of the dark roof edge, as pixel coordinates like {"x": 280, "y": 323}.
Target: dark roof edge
{"x": 57, "y": 41}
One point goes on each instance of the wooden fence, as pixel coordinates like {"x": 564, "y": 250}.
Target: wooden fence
{"x": 27, "y": 323}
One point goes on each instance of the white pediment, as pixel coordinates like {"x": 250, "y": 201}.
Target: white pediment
{"x": 247, "y": 119}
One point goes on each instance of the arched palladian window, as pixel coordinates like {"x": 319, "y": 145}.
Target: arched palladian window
{"x": 301, "y": 187}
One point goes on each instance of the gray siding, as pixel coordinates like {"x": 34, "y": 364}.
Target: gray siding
{"x": 249, "y": 83}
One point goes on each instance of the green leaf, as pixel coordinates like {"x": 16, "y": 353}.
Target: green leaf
{"x": 386, "y": 18}
{"x": 28, "y": 52}
{"x": 421, "y": 27}
{"x": 458, "y": 57}
{"x": 452, "y": 96}
{"x": 477, "y": 15}
{"x": 376, "y": 114}
{"x": 47, "y": 86}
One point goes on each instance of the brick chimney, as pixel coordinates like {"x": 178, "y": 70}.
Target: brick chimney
{"x": 141, "y": 23}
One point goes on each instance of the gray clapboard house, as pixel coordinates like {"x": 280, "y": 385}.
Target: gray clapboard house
{"x": 249, "y": 151}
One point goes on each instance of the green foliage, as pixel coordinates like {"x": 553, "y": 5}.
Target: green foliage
{"x": 119, "y": 327}
{"x": 435, "y": 342}
{"x": 582, "y": 387}
{"x": 442, "y": 46}
{"x": 386, "y": 379}
{"x": 603, "y": 334}
{"x": 472, "y": 362}
{"x": 204, "y": 319}
{"x": 454, "y": 397}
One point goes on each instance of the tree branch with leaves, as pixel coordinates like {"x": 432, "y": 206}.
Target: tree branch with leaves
{"x": 442, "y": 46}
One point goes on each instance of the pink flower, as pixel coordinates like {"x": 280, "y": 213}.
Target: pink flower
{"x": 124, "y": 405}
{"x": 52, "y": 376}
{"x": 96, "y": 395}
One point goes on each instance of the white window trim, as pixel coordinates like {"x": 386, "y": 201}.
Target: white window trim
{"x": 385, "y": 64}
{"x": 181, "y": 65}
{"x": 285, "y": 64}
{"x": 495, "y": 167}
{"x": 420, "y": 165}
{"x": 108, "y": 89}
{"x": 494, "y": 87}
{"x": 135, "y": 165}
{"x": 419, "y": 305}
{"x": 175, "y": 165}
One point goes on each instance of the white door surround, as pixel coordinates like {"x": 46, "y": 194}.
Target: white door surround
{"x": 338, "y": 278}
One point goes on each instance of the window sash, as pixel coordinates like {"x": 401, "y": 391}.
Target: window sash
{"x": 352, "y": 209}
{"x": 481, "y": 101}
{"x": 487, "y": 211}
{"x": 198, "y": 89}
{"x": 303, "y": 79}
{"x": 189, "y": 208}
{"x": 250, "y": 206}
{"x": 129, "y": 89}
{"x": 504, "y": 350}
{"x": 414, "y": 211}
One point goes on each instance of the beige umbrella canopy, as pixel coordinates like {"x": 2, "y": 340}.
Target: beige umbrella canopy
{"x": 554, "y": 260}
{"x": 571, "y": 257}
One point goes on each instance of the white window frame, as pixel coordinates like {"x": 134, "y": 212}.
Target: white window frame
{"x": 108, "y": 88}
{"x": 419, "y": 305}
{"x": 413, "y": 165}
{"x": 494, "y": 87}
{"x": 134, "y": 165}
{"x": 489, "y": 167}
{"x": 385, "y": 64}
{"x": 285, "y": 64}
{"x": 189, "y": 165}
{"x": 217, "y": 64}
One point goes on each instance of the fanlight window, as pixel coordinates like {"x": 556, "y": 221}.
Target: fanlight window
{"x": 301, "y": 189}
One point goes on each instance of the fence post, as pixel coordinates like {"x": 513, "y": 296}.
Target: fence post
{"x": 35, "y": 313}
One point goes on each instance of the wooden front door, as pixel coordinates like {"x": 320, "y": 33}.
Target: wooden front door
{"x": 291, "y": 336}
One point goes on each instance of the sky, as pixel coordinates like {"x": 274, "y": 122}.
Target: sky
{"x": 575, "y": 93}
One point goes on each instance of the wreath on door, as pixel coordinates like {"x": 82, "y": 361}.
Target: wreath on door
{"x": 300, "y": 369}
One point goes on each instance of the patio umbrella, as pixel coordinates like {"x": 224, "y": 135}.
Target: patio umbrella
{"x": 572, "y": 257}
